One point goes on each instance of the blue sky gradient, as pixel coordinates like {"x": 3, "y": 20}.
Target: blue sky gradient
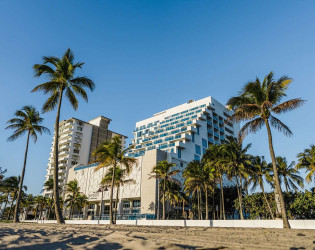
{"x": 147, "y": 56}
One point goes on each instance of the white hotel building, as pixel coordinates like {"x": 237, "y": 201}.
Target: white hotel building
{"x": 179, "y": 135}
{"x": 77, "y": 140}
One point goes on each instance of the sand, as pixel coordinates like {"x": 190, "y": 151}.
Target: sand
{"x": 51, "y": 236}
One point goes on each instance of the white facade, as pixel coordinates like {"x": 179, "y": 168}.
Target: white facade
{"x": 75, "y": 137}
{"x": 184, "y": 131}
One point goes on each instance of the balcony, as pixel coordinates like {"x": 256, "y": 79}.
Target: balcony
{"x": 216, "y": 119}
{"x": 180, "y": 144}
{"x": 221, "y": 122}
{"x": 215, "y": 126}
{"x": 67, "y": 130}
{"x": 65, "y": 136}
{"x": 62, "y": 153}
{"x": 210, "y": 131}
{"x": 222, "y": 138}
{"x": 202, "y": 117}
{"x": 63, "y": 141}
{"x": 63, "y": 159}
{"x": 64, "y": 146}
{"x": 222, "y": 130}
{"x": 216, "y": 135}
{"x": 209, "y": 122}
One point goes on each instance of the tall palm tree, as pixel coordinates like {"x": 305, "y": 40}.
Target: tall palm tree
{"x": 26, "y": 121}
{"x": 163, "y": 171}
{"x": 307, "y": 161}
{"x": 172, "y": 192}
{"x": 112, "y": 153}
{"x": 257, "y": 102}
{"x": 11, "y": 185}
{"x": 28, "y": 202}
{"x": 62, "y": 81}
{"x": 120, "y": 180}
{"x": 260, "y": 169}
{"x": 288, "y": 174}
{"x": 197, "y": 173}
{"x": 215, "y": 158}
{"x": 74, "y": 191}
{"x": 237, "y": 163}
{"x": 82, "y": 201}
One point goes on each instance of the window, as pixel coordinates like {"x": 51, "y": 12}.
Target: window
{"x": 197, "y": 149}
{"x": 76, "y": 151}
{"x": 193, "y": 137}
{"x": 204, "y": 143}
{"x": 136, "y": 203}
{"x": 204, "y": 150}
{"x": 179, "y": 152}
{"x": 197, "y": 130}
{"x": 196, "y": 157}
{"x": 126, "y": 204}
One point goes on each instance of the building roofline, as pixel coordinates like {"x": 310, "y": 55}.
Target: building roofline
{"x": 118, "y": 133}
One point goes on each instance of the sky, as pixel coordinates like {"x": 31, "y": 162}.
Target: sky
{"x": 148, "y": 56}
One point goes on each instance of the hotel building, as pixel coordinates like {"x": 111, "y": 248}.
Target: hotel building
{"x": 178, "y": 135}
{"x": 77, "y": 140}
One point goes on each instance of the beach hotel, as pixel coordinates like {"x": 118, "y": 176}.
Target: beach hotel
{"x": 77, "y": 140}
{"x": 178, "y": 135}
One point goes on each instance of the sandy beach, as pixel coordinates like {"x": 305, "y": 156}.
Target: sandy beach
{"x": 36, "y": 236}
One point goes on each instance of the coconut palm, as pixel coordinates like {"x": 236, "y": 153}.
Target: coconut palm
{"x": 260, "y": 169}
{"x": 200, "y": 176}
{"x": 172, "y": 191}
{"x": 257, "y": 103}
{"x": 11, "y": 185}
{"x": 28, "y": 202}
{"x": 120, "y": 180}
{"x": 74, "y": 191}
{"x": 2, "y": 172}
{"x": 112, "y": 153}
{"x": 62, "y": 81}
{"x": 307, "y": 161}
{"x": 237, "y": 165}
{"x": 288, "y": 174}
{"x": 163, "y": 171}
{"x": 81, "y": 202}
{"x": 215, "y": 159}
{"x": 26, "y": 121}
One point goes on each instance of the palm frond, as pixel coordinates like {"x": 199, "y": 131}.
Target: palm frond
{"x": 281, "y": 127}
{"x": 288, "y": 106}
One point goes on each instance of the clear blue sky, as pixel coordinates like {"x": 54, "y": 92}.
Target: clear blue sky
{"x": 147, "y": 56}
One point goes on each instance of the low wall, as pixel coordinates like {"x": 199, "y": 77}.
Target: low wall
{"x": 295, "y": 224}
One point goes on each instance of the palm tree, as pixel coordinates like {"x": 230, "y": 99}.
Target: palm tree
{"x": 172, "y": 191}
{"x": 28, "y": 202}
{"x": 11, "y": 185}
{"x": 62, "y": 81}
{"x": 27, "y": 120}
{"x": 260, "y": 169}
{"x": 257, "y": 103}
{"x": 288, "y": 174}
{"x": 163, "y": 171}
{"x": 81, "y": 202}
{"x": 307, "y": 161}
{"x": 199, "y": 176}
{"x": 237, "y": 163}
{"x": 74, "y": 190}
{"x": 120, "y": 180}
{"x": 111, "y": 153}
{"x": 215, "y": 158}
{"x": 38, "y": 203}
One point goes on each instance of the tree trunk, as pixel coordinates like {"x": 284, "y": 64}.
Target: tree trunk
{"x": 58, "y": 211}
{"x": 48, "y": 214}
{"x": 207, "y": 212}
{"x": 5, "y": 206}
{"x": 164, "y": 186}
{"x": 13, "y": 199}
{"x": 222, "y": 195}
{"x": 239, "y": 198}
{"x": 263, "y": 191}
{"x": 111, "y": 221}
{"x": 276, "y": 178}
{"x": 198, "y": 204}
{"x": 17, "y": 204}
{"x": 116, "y": 203}
{"x": 158, "y": 199}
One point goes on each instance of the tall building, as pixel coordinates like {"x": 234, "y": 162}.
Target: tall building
{"x": 184, "y": 131}
{"x": 77, "y": 140}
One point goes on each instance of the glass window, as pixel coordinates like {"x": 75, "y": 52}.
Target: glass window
{"x": 204, "y": 143}
{"x": 196, "y": 157}
{"x": 197, "y": 149}
{"x": 136, "y": 203}
{"x": 197, "y": 130}
{"x": 179, "y": 152}
{"x": 193, "y": 137}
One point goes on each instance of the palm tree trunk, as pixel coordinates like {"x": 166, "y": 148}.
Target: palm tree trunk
{"x": 276, "y": 178}
{"x": 17, "y": 204}
{"x": 263, "y": 191}
{"x": 198, "y": 204}
{"x": 48, "y": 214}
{"x": 116, "y": 202}
{"x": 206, "y": 193}
{"x": 5, "y": 206}
{"x": 158, "y": 200}
{"x": 164, "y": 186}
{"x": 58, "y": 211}
{"x": 111, "y": 221}
{"x": 222, "y": 195}
{"x": 13, "y": 199}
{"x": 183, "y": 209}
{"x": 239, "y": 198}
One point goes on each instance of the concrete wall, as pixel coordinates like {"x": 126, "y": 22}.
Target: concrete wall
{"x": 295, "y": 224}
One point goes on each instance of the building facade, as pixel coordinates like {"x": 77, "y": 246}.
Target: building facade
{"x": 77, "y": 140}
{"x": 185, "y": 131}
{"x": 138, "y": 195}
